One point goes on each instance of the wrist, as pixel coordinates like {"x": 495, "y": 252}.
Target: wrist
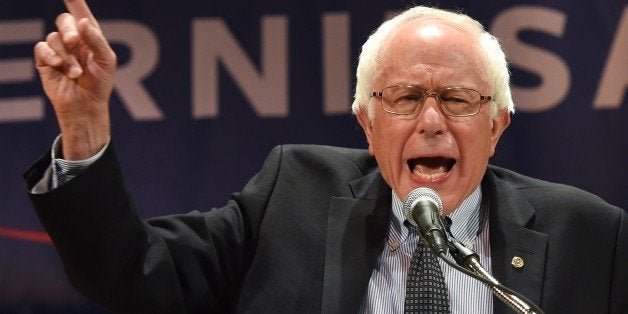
{"x": 82, "y": 143}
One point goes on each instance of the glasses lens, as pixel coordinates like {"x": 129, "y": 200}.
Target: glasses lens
{"x": 456, "y": 101}
{"x": 459, "y": 101}
{"x": 401, "y": 99}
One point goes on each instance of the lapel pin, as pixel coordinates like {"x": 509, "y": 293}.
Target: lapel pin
{"x": 517, "y": 262}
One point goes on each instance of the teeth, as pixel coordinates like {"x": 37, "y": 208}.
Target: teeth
{"x": 429, "y": 173}
{"x": 429, "y": 170}
{"x": 428, "y": 176}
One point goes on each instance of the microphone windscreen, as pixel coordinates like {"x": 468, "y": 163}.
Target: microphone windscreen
{"x": 421, "y": 194}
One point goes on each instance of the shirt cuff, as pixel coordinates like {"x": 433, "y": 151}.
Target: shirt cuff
{"x": 65, "y": 170}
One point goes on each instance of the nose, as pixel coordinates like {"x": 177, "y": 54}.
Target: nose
{"x": 431, "y": 120}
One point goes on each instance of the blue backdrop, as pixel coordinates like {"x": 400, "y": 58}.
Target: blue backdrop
{"x": 206, "y": 88}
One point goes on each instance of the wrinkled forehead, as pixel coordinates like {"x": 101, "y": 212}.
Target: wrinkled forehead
{"x": 433, "y": 31}
{"x": 434, "y": 42}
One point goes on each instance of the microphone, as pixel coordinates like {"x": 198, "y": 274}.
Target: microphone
{"x": 423, "y": 208}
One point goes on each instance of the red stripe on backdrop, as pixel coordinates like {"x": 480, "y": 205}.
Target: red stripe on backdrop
{"x": 25, "y": 235}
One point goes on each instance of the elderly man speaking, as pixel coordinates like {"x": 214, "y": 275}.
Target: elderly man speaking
{"x": 433, "y": 99}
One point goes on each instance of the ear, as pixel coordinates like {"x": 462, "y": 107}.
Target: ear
{"x": 498, "y": 125}
{"x": 367, "y": 127}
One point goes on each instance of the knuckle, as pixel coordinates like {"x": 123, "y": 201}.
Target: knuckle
{"x": 38, "y": 49}
{"x": 63, "y": 20}
{"x": 39, "y": 45}
{"x": 41, "y": 48}
{"x": 52, "y": 37}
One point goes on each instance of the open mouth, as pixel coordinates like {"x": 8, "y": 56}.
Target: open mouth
{"x": 431, "y": 168}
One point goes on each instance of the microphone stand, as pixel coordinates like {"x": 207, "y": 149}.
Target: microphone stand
{"x": 468, "y": 262}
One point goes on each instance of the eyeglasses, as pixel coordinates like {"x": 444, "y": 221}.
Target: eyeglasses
{"x": 453, "y": 101}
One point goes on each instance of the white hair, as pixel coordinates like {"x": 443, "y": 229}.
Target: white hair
{"x": 493, "y": 57}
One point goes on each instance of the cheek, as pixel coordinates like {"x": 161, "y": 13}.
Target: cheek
{"x": 475, "y": 145}
{"x": 389, "y": 134}
{"x": 388, "y": 142}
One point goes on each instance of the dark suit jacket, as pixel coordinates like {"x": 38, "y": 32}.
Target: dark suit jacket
{"x": 304, "y": 234}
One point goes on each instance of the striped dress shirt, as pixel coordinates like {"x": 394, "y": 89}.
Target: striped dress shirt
{"x": 387, "y": 286}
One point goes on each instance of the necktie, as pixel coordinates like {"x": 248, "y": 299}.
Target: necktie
{"x": 426, "y": 291}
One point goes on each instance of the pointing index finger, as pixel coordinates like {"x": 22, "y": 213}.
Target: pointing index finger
{"x": 79, "y": 9}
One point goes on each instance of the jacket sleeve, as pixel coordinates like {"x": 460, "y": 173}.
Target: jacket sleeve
{"x": 175, "y": 264}
{"x": 619, "y": 282}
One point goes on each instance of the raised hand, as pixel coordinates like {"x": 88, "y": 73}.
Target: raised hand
{"x": 77, "y": 66}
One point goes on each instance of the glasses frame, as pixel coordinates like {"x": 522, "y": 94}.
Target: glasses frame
{"x": 435, "y": 94}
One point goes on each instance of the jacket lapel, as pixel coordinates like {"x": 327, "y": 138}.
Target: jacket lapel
{"x": 509, "y": 214}
{"x": 357, "y": 228}
{"x": 356, "y": 233}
